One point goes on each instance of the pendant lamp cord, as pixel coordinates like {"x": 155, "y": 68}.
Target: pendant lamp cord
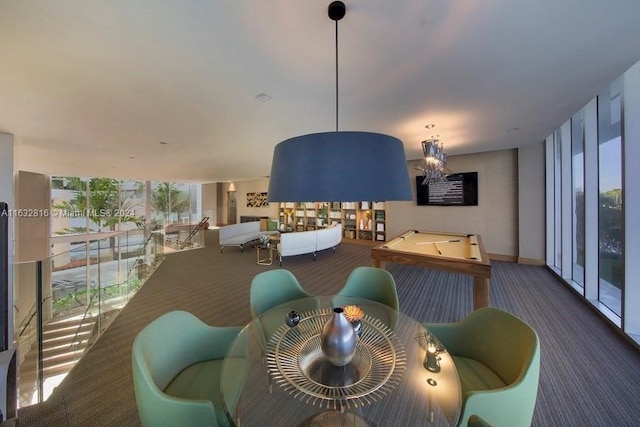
{"x": 336, "y": 76}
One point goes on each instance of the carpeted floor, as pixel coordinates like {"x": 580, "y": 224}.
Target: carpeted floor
{"x": 590, "y": 376}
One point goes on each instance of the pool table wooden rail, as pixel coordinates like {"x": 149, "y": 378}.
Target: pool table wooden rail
{"x": 480, "y": 269}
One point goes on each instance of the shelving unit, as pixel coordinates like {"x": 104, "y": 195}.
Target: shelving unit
{"x": 364, "y": 220}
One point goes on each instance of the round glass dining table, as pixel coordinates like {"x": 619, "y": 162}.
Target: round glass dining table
{"x": 286, "y": 381}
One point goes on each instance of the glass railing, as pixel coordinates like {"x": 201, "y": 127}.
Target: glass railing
{"x": 80, "y": 288}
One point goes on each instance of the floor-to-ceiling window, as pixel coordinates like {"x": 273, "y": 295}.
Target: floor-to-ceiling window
{"x": 557, "y": 145}
{"x": 603, "y": 141}
{"x": 132, "y": 204}
{"x": 102, "y": 221}
{"x": 610, "y": 226}
{"x": 577, "y": 179}
{"x": 68, "y": 209}
{"x": 93, "y": 205}
{"x": 170, "y": 203}
{"x": 102, "y": 250}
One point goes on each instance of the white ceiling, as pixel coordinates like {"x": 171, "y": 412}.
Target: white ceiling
{"x": 93, "y": 87}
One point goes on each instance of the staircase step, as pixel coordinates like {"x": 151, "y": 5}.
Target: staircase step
{"x": 65, "y": 326}
{"x": 51, "y": 358}
{"x": 59, "y": 357}
{"x": 58, "y": 354}
{"x": 67, "y": 335}
{"x": 60, "y": 348}
{"x": 69, "y": 318}
{"x": 29, "y": 376}
{"x": 57, "y": 324}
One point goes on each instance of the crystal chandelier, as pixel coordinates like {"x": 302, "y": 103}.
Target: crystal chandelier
{"x": 434, "y": 164}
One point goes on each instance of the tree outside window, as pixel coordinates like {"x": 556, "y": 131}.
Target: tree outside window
{"x": 102, "y": 205}
{"x": 169, "y": 202}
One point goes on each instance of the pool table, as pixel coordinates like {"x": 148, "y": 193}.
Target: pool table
{"x": 454, "y": 252}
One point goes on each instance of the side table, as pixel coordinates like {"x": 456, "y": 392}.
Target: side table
{"x": 261, "y": 257}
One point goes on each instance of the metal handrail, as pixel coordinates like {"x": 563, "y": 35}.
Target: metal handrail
{"x": 33, "y": 312}
{"x": 26, "y": 321}
{"x": 75, "y": 344}
{"x": 140, "y": 253}
{"x": 194, "y": 231}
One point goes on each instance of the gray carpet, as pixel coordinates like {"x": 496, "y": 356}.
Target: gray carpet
{"x": 590, "y": 375}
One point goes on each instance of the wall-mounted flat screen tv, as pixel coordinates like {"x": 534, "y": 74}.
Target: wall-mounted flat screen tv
{"x": 457, "y": 189}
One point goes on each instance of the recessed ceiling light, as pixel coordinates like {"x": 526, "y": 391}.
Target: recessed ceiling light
{"x": 164, "y": 143}
{"x": 435, "y": 136}
{"x": 132, "y": 157}
{"x": 263, "y": 97}
{"x": 513, "y": 130}
{"x": 430, "y": 126}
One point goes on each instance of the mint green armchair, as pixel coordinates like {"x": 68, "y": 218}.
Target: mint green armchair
{"x": 375, "y": 284}
{"x": 497, "y": 357}
{"x": 372, "y": 283}
{"x": 272, "y": 288}
{"x": 177, "y": 362}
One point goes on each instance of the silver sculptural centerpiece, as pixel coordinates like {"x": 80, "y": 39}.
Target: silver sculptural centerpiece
{"x": 338, "y": 340}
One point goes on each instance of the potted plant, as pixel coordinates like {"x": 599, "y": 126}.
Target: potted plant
{"x": 323, "y": 214}
{"x": 289, "y": 215}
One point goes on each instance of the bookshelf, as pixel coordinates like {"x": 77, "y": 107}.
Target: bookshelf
{"x": 364, "y": 220}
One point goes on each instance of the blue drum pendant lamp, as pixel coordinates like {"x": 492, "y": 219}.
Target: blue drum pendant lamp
{"x": 339, "y": 166}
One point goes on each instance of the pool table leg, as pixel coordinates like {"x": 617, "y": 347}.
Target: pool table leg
{"x": 480, "y": 292}
{"x": 376, "y": 263}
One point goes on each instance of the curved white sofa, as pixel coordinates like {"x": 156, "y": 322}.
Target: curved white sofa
{"x": 240, "y": 234}
{"x": 306, "y": 242}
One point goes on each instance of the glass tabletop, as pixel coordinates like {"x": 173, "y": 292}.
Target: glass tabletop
{"x": 293, "y": 387}
{"x": 295, "y": 361}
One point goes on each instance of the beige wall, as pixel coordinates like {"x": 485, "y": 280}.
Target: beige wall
{"x": 7, "y": 170}
{"x": 221, "y": 203}
{"x": 531, "y": 199}
{"x": 32, "y": 240}
{"x": 241, "y": 188}
{"x": 254, "y": 186}
{"x": 209, "y": 200}
{"x": 496, "y": 216}
{"x": 222, "y": 188}
{"x": 33, "y": 231}
{"x": 7, "y": 175}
